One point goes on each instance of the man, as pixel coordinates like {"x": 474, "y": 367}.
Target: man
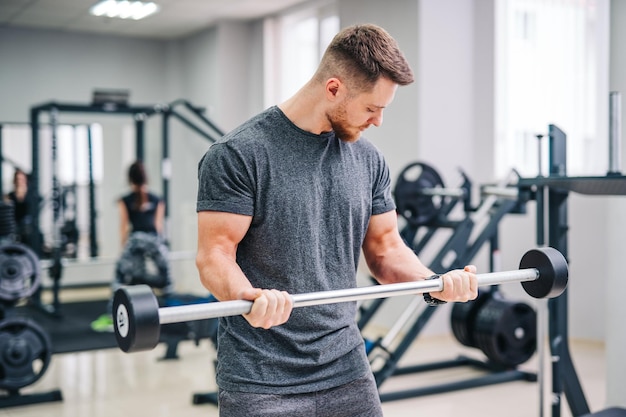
{"x": 286, "y": 204}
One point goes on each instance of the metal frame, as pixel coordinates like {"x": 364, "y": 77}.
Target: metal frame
{"x": 559, "y": 185}
{"x": 206, "y": 129}
{"x": 140, "y": 114}
{"x": 53, "y": 108}
{"x": 464, "y": 251}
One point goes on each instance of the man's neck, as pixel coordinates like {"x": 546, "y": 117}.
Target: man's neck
{"x": 306, "y": 109}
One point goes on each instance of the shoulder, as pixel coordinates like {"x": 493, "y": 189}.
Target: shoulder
{"x": 367, "y": 148}
{"x": 244, "y": 142}
{"x": 253, "y": 131}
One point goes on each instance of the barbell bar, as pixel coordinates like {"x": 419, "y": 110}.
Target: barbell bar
{"x": 509, "y": 192}
{"x": 543, "y": 273}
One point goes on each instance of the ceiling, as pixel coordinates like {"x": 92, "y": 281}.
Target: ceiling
{"x": 176, "y": 19}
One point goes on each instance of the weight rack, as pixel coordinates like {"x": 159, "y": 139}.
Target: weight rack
{"x": 553, "y": 191}
{"x": 464, "y": 250}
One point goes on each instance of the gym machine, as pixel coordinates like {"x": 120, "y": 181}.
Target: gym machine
{"x": 69, "y": 230}
{"x": 504, "y": 330}
{"x": 105, "y": 102}
{"x": 552, "y": 192}
{"x": 25, "y": 347}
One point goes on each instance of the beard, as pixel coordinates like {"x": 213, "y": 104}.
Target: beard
{"x": 339, "y": 124}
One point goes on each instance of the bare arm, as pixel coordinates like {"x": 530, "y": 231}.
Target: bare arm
{"x": 391, "y": 260}
{"x": 219, "y": 235}
{"x": 124, "y": 222}
{"x": 159, "y": 218}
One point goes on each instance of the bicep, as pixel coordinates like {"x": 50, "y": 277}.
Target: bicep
{"x": 222, "y": 231}
{"x": 219, "y": 234}
{"x": 382, "y": 235}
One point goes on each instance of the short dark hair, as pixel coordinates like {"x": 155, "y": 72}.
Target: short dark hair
{"x": 360, "y": 54}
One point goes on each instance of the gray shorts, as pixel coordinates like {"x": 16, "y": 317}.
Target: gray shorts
{"x": 355, "y": 399}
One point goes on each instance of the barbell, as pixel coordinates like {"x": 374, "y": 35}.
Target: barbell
{"x": 543, "y": 273}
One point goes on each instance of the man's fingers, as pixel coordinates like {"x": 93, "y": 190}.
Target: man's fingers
{"x": 270, "y": 308}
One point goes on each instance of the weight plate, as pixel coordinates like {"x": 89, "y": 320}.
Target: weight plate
{"x": 553, "y": 271}
{"x": 25, "y": 352}
{"x": 136, "y": 318}
{"x": 20, "y": 272}
{"x": 463, "y": 317}
{"x": 7, "y": 219}
{"x": 418, "y": 209}
{"x": 506, "y": 332}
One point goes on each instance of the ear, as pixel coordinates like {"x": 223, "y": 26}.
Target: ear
{"x": 333, "y": 89}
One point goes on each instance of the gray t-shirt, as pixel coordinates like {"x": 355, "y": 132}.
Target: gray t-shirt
{"x": 311, "y": 198}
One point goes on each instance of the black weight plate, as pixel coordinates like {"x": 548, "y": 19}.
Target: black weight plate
{"x": 506, "y": 332}
{"x": 463, "y": 316}
{"x": 20, "y": 272}
{"x": 553, "y": 272}
{"x": 418, "y": 209}
{"x": 136, "y": 318}
{"x": 25, "y": 353}
{"x": 7, "y": 219}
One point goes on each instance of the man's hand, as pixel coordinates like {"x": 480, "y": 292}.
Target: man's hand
{"x": 458, "y": 285}
{"x": 271, "y": 307}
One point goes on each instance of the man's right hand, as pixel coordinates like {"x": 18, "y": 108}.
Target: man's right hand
{"x": 271, "y": 307}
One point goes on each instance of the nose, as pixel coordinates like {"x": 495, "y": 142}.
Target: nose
{"x": 376, "y": 119}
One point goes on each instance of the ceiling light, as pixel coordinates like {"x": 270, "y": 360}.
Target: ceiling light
{"x": 124, "y": 9}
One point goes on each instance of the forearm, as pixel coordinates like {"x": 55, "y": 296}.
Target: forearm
{"x": 388, "y": 257}
{"x": 397, "y": 264}
{"x": 220, "y": 274}
{"x": 124, "y": 230}
{"x": 159, "y": 218}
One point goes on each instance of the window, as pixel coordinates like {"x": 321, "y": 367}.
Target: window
{"x": 294, "y": 46}
{"x": 549, "y": 57}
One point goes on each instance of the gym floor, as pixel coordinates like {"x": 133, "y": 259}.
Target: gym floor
{"x": 112, "y": 383}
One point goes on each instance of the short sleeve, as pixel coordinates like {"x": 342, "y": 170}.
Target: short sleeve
{"x": 382, "y": 200}
{"x": 224, "y": 181}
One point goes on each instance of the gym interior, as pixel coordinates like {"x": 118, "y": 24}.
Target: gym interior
{"x": 508, "y": 140}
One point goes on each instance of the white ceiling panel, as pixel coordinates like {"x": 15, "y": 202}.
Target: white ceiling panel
{"x": 176, "y": 19}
